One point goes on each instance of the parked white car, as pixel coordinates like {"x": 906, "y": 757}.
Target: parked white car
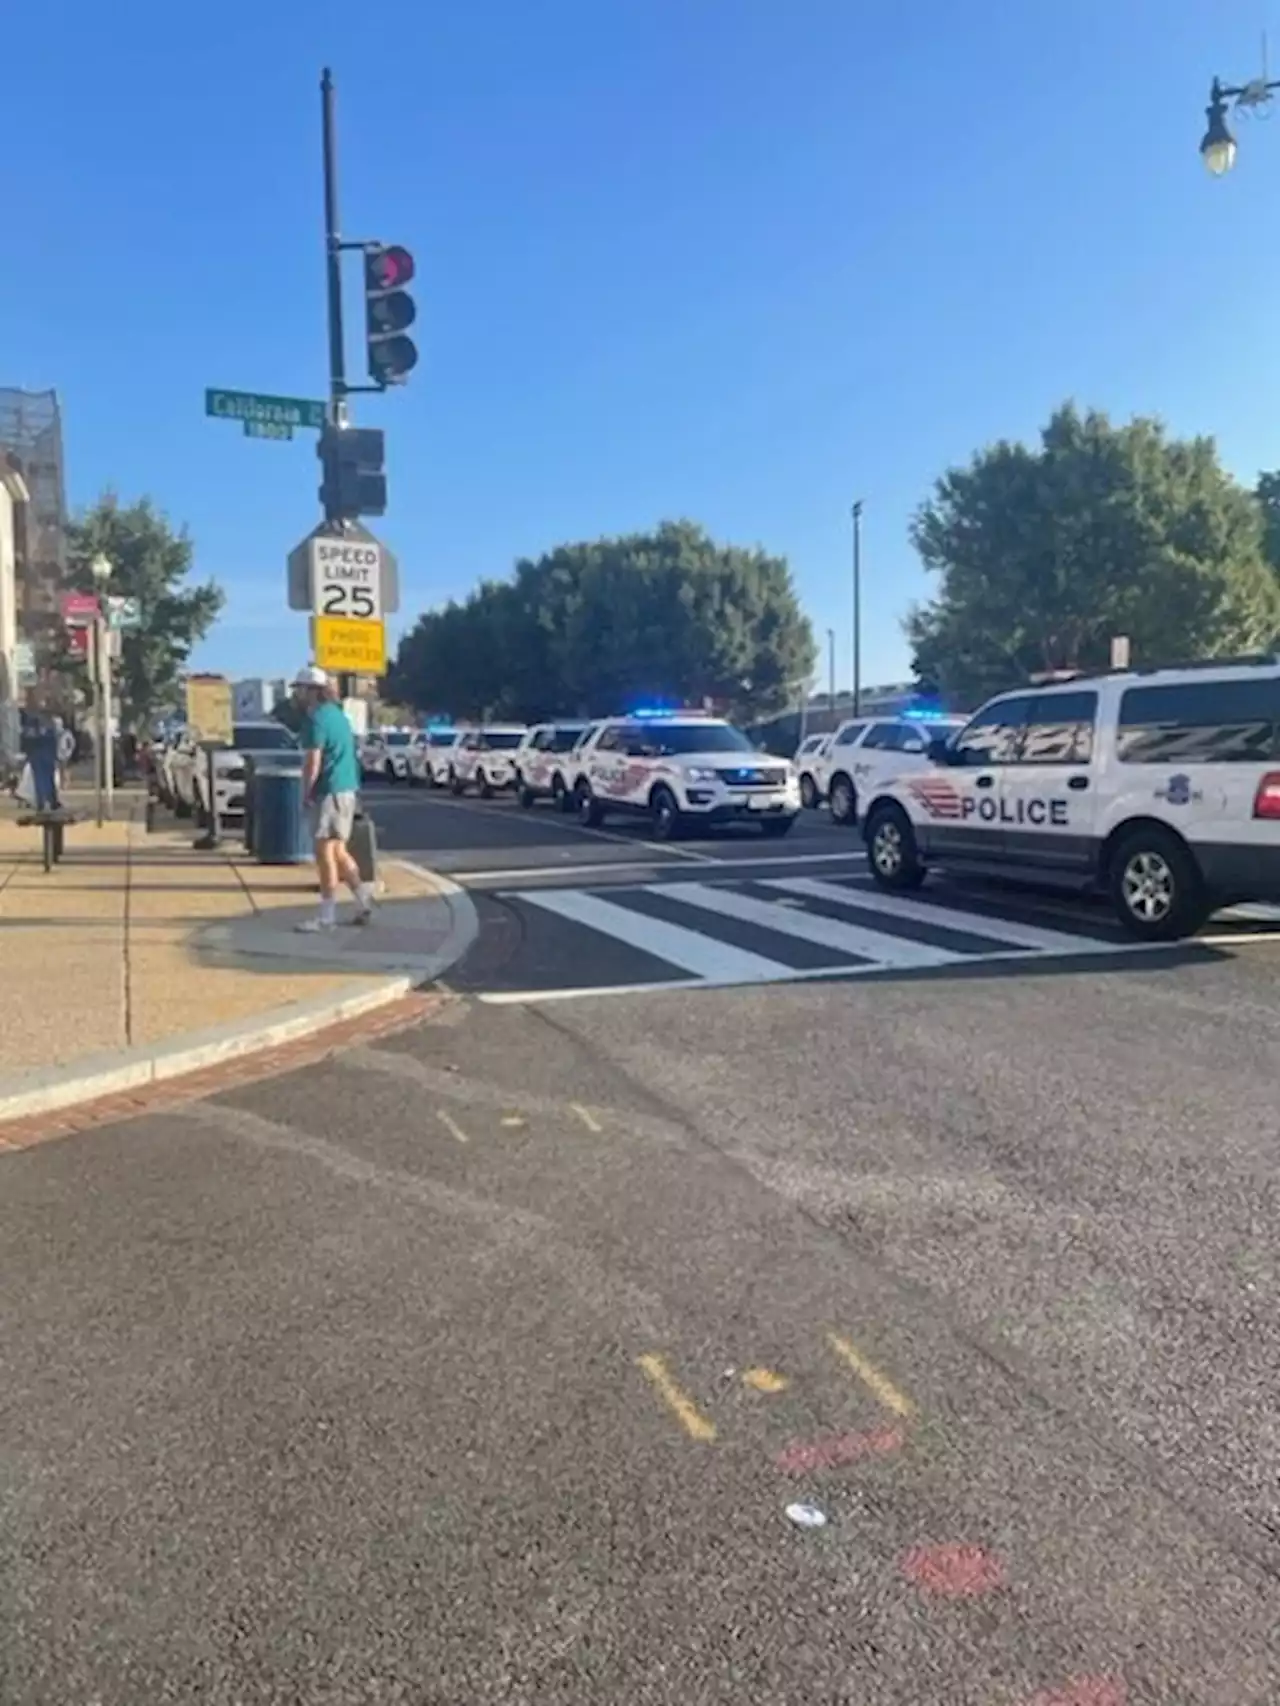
{"x": 808, "y": 765}
{"x": 384, "y": 753}
{"x": 867, "y": 751}
{"x": 431, "y": 756}
{"x": 258, "y": 740}
{"x": 484, "y": 759}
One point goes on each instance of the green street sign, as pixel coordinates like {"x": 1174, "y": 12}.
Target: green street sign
{"x": 123, "y": 612}
{"x": 256, "y": 406}
{"x": 267, "y": 429}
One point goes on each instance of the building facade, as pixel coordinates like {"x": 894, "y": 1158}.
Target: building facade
{"x": 31, "y": 439}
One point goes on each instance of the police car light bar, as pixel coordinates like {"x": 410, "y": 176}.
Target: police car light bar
{"x": 923, "y": 716}
{"x": 652, "y": 714}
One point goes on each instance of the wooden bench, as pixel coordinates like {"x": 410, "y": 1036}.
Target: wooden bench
{"x": 53, "y": 825}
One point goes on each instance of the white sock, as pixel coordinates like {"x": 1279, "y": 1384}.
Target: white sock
{"x": 364, "y": 895}
{"x": 328, "y": 910}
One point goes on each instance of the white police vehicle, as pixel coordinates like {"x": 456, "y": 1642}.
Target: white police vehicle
{"x": 385, "y": 753}
{"x": 431, "y": 755}
{"x": 484, "y": 759}
{"x": 678, "y": 769}
{"x": 1159, "y": 788}
{"x": 542, "y": 763}
{"x": 807, "y": 758}
{"x": 867, "y": 751}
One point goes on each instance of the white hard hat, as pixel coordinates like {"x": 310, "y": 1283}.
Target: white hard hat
{"x": 311, "y": 675}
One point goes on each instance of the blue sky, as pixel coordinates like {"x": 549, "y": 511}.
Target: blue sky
{"x": 739, "y": 260}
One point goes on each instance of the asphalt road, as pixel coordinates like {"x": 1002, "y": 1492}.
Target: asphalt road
{"x": 483, "y": 1364}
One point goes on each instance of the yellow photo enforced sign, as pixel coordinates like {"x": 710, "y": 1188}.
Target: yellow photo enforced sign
{"x": 350, "y": 646}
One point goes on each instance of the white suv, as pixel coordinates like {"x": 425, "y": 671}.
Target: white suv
{"x": 807, "y": 760}
{"x": 869, "y": 751}
{"x": 680, "y": 769}
{"x": 485, "y": 758}
{"x": 1159, "y": 788}
{"x": 543, "y": 763}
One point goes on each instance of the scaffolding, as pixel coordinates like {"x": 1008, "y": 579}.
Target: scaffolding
{"x": 31, "y": 431}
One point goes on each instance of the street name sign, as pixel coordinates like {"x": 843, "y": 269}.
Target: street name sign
{"x": 349, "y": 645}
{"x": 123, "y": 612}
{"x": 259, "y": 406}
{"x": 267, "y": 429}
{"x": 333, "y": 583}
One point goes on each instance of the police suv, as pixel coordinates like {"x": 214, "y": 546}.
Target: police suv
{"x": 484, "y": 758}
{"x": 431, "y": 755}
{"x": 1159, "y": 788}
{"x": 542, "y": 763}
{"x": 867, "y": 750}
{"x": 679, "y": 769}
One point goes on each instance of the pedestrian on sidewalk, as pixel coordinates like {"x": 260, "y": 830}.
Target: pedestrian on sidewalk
{"x": 330, "y": 782}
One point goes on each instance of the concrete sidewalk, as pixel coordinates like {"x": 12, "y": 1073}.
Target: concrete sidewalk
{"x": 138, "y": 957}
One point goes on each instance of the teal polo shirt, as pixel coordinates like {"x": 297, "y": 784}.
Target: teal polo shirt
{"x": 328, "y": 732}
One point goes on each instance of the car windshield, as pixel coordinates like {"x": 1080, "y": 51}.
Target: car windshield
{"x": 669, "y": 738}
{"x": 566, "y": 737}
{"x": 442, "y": 737}
{"x": 262, "y": 737}
{"x": 397, "y": 739}
{"x": 503, "y": 740}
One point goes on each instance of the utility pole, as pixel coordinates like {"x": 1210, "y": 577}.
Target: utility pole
{"x": 96, "y": 640}
{"x": 857, "y": 608}
{"x": 831, "y": 668}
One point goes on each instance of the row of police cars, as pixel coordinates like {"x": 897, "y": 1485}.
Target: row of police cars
{"x": 1159, "y": 789}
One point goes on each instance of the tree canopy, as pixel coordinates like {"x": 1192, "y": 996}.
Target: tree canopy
{"x": 149, "y": 562}
{"x": 1045, "y": 554}
{"x": 587, "y": 628}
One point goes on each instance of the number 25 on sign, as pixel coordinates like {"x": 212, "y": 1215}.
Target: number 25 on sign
{"x": 346, "y": 579}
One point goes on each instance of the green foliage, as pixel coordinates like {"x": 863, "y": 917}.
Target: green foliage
{"x": 667, "y": 616}
{"x": 1045, "y": 554}
{"x": 1267, "y": 492}
{"x": 149, "y": 562}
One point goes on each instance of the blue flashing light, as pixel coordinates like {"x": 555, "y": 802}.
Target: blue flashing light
{"x": 923, "y": 714}
{"x": 439, "y": 722}
{"x": 654, "y": 713}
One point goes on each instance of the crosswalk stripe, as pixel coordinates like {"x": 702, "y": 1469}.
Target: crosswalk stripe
{"x": 693, "y": 952}
{"x": 1000, "y": 930}
{"x": 854, "y": 939}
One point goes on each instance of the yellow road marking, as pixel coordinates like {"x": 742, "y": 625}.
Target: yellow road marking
{"x": 451, "y": 1126}
{"x": 682, "y": 1407}
{"x": 879, "y": 1385}
{"x": 587, "y": 1117}
{"x": 765, "y": 1380}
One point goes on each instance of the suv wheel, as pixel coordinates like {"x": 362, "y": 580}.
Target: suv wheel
{"x": 590, "y": 815}
{"x": 808, "y": 792}
{"x": 390, "y": 771}
{"x": 456, "y": 784}
{"x": 560, "y": 795}
{"x": 844, "y": 801}
{"x": 1156, "y": 887}
{"x": 666, "y": 815}
{"x": 526, "y": 796}
{"x": 892, "y": 852}
{"x": 484, "y": 784}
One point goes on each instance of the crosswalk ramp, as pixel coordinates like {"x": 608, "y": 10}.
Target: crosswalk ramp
{"x": 678, "y": 934}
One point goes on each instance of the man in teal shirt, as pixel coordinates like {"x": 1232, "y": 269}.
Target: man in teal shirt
{"x": 330, "y": 783}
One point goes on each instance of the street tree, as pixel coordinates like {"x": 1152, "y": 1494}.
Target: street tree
{"x": 668, "y": 616}
{"x": 1044, "y": 554}
{"x": 152, "y": 563}
{"x": 1267, "y": 492}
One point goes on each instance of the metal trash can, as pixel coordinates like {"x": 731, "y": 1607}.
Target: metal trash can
{"x": 281, "y": 829}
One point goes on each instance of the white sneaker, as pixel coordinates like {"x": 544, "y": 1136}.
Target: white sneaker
{"x": 314, "y": 926}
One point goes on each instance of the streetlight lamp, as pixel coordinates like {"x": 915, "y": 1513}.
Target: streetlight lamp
{"x": 104, "y": 766}
{"x": 1218, "y": 146}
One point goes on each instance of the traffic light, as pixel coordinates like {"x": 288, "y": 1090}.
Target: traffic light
{"x": 389, "y": 310}
{"x": 353, "y": 482}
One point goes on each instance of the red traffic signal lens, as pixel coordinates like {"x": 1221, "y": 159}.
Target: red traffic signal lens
{"x": 388, "y": 269}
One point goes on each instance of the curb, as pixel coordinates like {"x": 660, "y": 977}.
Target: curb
{"x": 50, "y": 1089}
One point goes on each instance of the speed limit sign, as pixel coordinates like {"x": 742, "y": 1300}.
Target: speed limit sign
{"x": 346, "y": 578}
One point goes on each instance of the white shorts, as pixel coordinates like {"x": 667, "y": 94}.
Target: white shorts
{"x": 333, "y": 817}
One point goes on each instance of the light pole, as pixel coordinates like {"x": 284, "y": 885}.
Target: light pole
{"x": 1218, "y": 146}
{"x": 104, "y": 768}
{"x": 831, "y": 668}
{"x": 857, "y": 608}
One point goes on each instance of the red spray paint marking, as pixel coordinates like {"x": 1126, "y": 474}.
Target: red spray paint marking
{"x": 956, "y": 1571}
{"x": 803, "y": 1455}
{"x": 1084, "y": 1691}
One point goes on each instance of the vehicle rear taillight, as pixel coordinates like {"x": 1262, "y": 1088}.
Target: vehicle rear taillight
{"x": 1266, "y": 802}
